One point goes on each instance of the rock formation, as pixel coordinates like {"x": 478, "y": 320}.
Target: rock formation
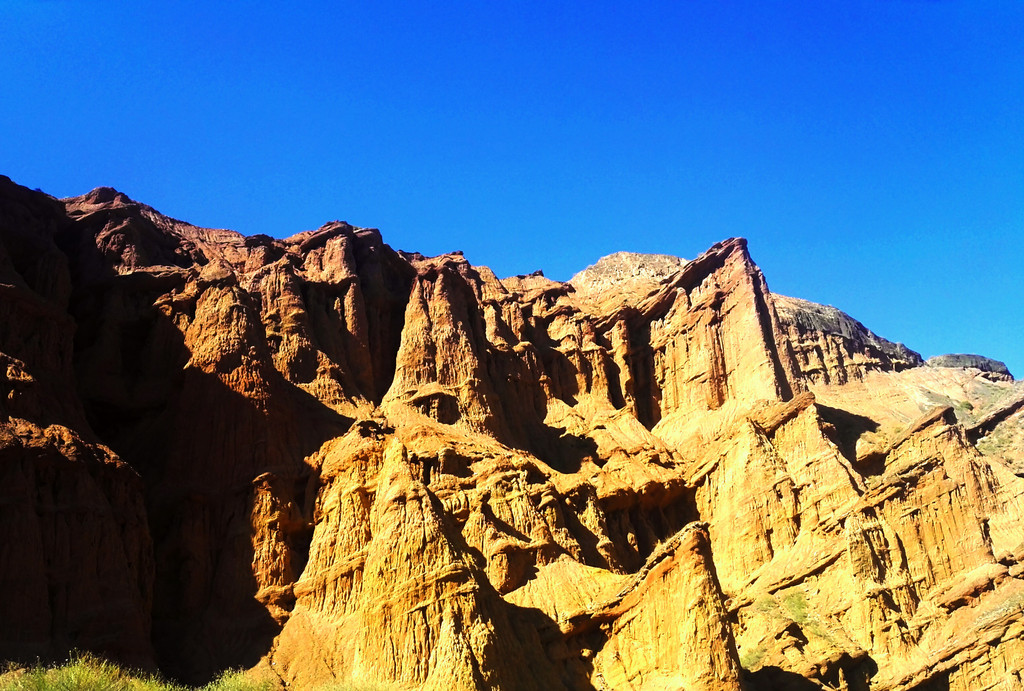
{"x": 832, "y": 347}
{"x": 995, "y": 368}
{"x": 623, "y": 278}
{"x": 329, "y": 461}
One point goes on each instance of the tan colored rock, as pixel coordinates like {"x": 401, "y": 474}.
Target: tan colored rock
{"x": 664, "y": 627}
{"x": 336, "y": 462}
{"x": 397, "y": 598}
{"x": 622, "y": 279}
{"x": 879, "y": 575}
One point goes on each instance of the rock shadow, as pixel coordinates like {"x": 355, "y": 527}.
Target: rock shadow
{"x": 845, "y": 672}
{"x": 223, "y": 474}
{"x": 561, "y": 450}
{"x": 937, "y": 683}
{"x": 849, "y": 427}
{"x": 777, "y": 679}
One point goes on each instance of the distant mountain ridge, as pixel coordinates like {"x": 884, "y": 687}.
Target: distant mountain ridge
{"x": 979, "y": 362}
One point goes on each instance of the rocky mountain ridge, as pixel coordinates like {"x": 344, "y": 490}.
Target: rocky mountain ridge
{"x": 325, "y": 460}
{"x": 623, "y": 277}
{"x": 997, "y": 369}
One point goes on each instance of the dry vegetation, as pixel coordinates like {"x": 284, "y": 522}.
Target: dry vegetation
{"x": 90, "y": 673}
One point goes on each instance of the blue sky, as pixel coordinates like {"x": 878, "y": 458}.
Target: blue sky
{"x": 872, "y": 152}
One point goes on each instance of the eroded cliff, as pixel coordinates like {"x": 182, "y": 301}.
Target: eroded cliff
{"x": 327, "y": 460}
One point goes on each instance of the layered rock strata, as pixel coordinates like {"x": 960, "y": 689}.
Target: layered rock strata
{"x": 832, "y": 347}
{"x": 996, "y": 370}
{"x": 330, "y": 461}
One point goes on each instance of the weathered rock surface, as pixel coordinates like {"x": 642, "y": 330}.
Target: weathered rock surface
{"x": 330, "y": 461}
{"x": 76, "y": 562}
{"x": 623, "y": 278}
{"x": 830, "y": 346}
{"x": 997, "y": 369}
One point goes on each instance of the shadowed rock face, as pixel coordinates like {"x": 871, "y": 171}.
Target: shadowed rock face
{"x": 326, "y": 460}
{"x": 76, "y": 561}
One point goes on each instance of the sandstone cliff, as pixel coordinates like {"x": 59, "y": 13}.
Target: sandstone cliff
{"x": 76, "y": 561}
{"x": 330, "y": 461}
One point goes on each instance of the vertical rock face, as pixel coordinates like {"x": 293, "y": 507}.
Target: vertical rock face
{"x": 76, "y": 562}
{"x": 330, "y": 461}
{"x": 216, "y": 364}
{"x": 675, "y": 597}
{"x": 396, "y": 595}
{"x": 716, "y": 341}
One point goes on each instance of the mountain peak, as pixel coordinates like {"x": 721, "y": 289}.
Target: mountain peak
{"x": 104, "y": 195}
{"x": 629, "y": 266}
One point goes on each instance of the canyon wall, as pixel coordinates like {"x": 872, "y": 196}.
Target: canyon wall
{"x": 327, "y": 461}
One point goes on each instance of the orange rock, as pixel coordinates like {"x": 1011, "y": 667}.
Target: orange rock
{"x": 327, "y": 460}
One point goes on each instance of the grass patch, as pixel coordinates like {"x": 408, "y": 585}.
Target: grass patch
{"x": 766, "y": 604}
{"x": 795, "y": 605}
{"x": 87, "y": 672}
{"x": 235, "y": 680}
{"x": 1006, "y": 440}
{"x": 792, "y": 605}
{"x": 964, "y": 411}
{"x": 750, "y": 659}
{"x": 90, "y": 673}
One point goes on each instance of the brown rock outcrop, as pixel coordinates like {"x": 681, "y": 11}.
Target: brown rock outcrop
{"x": 215, "y": 364}
{"x": 623, "y": 278}
{"x": 829, "y": 346}
{"x": 664, "y": 627}
{"x": 76, "y": 563}
{"x": 994, "y": 369}
{"x": 910, "y": 548}
{"x": 332, "y": 461}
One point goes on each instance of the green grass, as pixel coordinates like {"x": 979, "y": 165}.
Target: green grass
{"x": 795, "y": 605}
{"x": 751, "y": 659}
{"x": 86, "y": 672}
{"x": 789, "y": 605}
{"x": 90, "y": 673}
{"x": 766, "y": 604}
{"x": 1006, "y": 440}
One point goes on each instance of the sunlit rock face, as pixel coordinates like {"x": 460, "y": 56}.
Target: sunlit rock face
{"x": 327, "y": 461}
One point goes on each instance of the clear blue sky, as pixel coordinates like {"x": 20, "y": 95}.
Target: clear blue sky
{"x": 871, "y": 151}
